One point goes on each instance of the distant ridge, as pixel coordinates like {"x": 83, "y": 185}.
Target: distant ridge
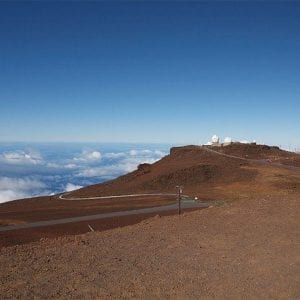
{"x": 196, "y": 168}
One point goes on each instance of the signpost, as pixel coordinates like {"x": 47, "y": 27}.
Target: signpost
{"x": 179, "y": 191}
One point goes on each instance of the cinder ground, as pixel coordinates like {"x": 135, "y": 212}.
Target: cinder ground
{"x": 247, "y": 245}
{"x": 246, "y": 249}
{"x": 23, "y": 236}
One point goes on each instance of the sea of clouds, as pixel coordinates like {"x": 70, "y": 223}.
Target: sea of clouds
{"x": 28, "y": 170}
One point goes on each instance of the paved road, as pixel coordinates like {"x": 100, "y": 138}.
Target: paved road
{"x": 185, "y": 204}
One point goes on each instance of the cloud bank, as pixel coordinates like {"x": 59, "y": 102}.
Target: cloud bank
{"x": 72, "y": 187}
{"x": 124, "y": 162}
{"x": 21, "y": 157}
{"x": 45, "y": 171}
{"x": 88, "y": 156}
{"x": 17, "y": 188}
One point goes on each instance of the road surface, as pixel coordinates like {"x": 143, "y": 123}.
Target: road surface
{"x": 184, "y": 204}
{"x": 63, "y": 196}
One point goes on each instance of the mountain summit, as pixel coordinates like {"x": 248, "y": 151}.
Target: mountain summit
{"x": 202, "y": 170}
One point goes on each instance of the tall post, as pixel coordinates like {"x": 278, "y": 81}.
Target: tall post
{"x": 179, "y": 189}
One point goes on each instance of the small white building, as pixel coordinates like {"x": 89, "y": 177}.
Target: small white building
{"x": 227, "y": 141}
{"x": 215, "y": 140}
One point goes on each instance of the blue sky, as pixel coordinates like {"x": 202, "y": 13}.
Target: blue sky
{"x": 150, "y": 71}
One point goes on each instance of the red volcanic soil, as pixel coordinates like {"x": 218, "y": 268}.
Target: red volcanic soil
{"x": 190, "y": 166}
{"x": 245, "y": 249}
{"x": 246, "y": 245}
{"x": 200, "y": 171}
{"x": 23, "y": 236}
{"x": 51, "y": 208}
{"x": 253, "y": 151}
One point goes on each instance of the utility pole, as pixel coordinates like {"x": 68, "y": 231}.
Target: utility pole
{"x": 179, "y": 191}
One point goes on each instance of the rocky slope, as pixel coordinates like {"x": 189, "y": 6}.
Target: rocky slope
{"x": 197, "y": 169}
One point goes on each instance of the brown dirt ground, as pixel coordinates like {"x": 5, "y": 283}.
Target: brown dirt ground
{"x": 23, "y": 236}
{"x": 190, "y": 166}
{"x": 245, "y": 249}
{"x": 245, "y": 246}
{"x": 251, "y": 151}
{"x": 194, "y": 168}
{"x": 51, "y": 208}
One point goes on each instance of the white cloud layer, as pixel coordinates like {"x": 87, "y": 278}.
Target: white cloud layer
{"x": 26, "y": 173}
{"x": 88, "y": 156}
{"x": 127, "y": 164}
{"x": 72, "y": 187}
{"x": 17, "y": 188}
{"x": 21, "y": 157}
{"x": 112, "y": 155}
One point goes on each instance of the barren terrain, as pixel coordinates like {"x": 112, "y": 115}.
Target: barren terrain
{"x": 246, "y": 245}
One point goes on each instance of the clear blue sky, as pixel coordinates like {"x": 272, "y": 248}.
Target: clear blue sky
{"x": 150, "y": 71}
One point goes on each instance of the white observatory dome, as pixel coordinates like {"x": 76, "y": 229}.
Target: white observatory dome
{"x": 215, "y": 139}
